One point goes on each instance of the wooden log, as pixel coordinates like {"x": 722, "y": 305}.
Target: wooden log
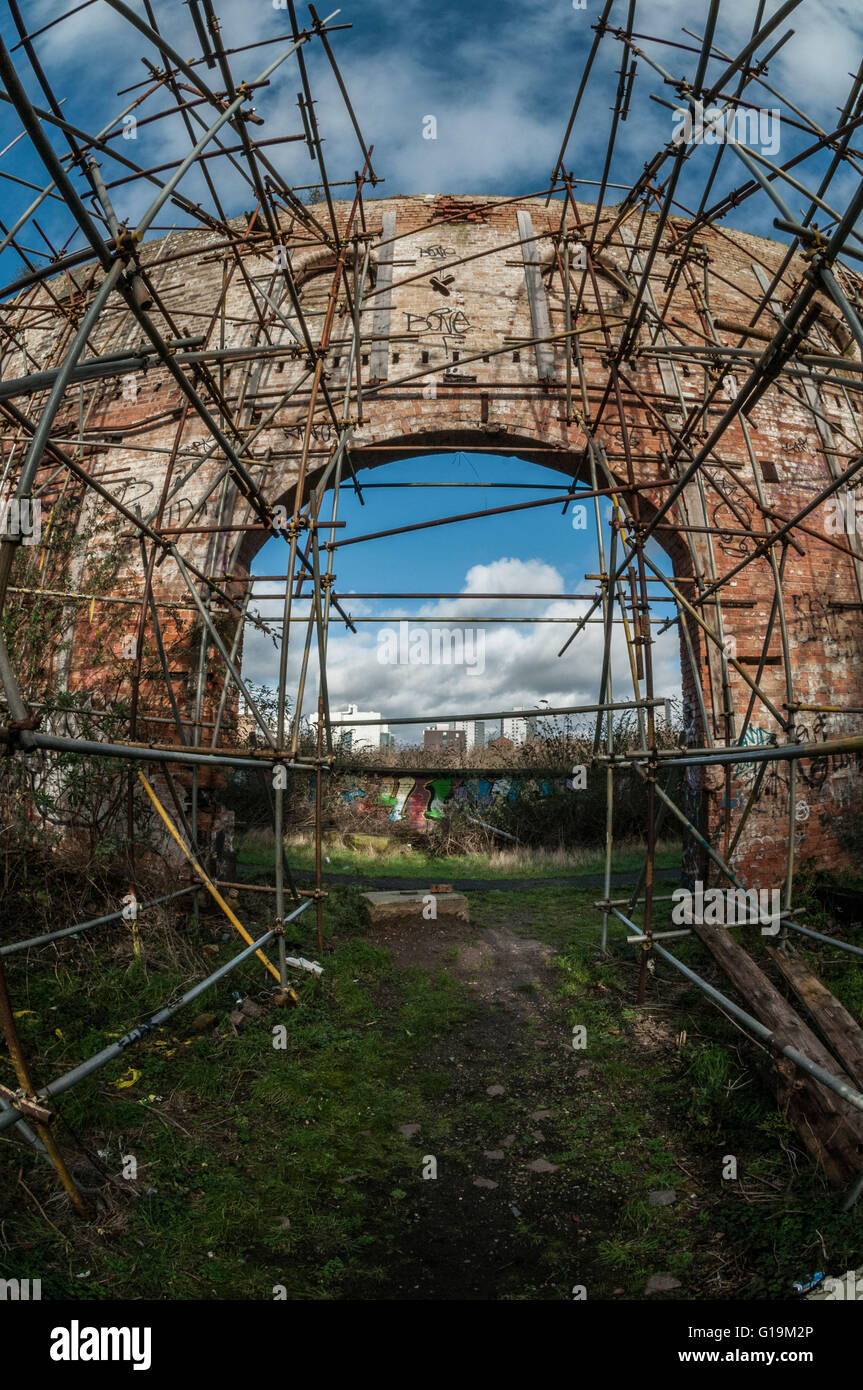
{"x": 839, "y": 1028}
{"x": 830, "y": 1128}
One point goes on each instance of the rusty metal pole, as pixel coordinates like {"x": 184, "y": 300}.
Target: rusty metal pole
{"x": 10, "y": 1033}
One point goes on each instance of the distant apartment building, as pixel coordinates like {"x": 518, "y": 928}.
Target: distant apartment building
{"x": 518, "y": 729}
{"x": 438, "y": 739}
{"x": 355, "y": 738}
{"x": 473, "y": 730}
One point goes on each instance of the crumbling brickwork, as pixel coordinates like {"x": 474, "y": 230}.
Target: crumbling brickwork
{"x": 456, "y": 294}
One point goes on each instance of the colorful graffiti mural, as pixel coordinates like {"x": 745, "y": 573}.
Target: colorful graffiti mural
{"x": 416, "y": 800}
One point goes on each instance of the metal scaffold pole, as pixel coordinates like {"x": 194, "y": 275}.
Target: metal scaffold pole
{"x": 654, "y": 355}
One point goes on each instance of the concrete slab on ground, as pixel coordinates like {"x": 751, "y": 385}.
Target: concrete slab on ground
{"x": 387, "y": 907}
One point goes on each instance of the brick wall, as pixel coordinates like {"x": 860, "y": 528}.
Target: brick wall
{"x": 514, "y": 402}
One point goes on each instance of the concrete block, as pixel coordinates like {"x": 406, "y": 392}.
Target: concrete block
{"x": 413, "y": 902}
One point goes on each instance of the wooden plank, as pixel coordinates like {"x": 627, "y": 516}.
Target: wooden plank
{"x": 379, "y": 360}
{"x": 830, "y": 1128}
{"x": 540, "y": 319}
{"x": 840, "y": 1029}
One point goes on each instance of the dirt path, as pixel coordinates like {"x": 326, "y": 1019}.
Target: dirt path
{"x": 501, "y": 1219}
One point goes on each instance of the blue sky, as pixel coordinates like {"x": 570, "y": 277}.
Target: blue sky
{"x": 535, "y": 551}
{"x": 498, "y": 77}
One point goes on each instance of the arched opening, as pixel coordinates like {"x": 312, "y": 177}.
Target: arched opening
{"x": 480, "y": 669}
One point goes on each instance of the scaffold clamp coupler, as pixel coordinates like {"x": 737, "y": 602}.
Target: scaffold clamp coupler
{"x": 29, "y": 1107}
{"x": 14, "y": 730}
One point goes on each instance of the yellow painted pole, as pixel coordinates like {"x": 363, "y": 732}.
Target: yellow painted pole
{"x": 130, "y": 915}
{"x": 207, "y": 882}
{"x": 7, "y": 1020}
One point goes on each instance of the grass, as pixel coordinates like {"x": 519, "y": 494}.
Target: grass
{"x": 251, "y": 1160}
{"x": 262, "y": 1168}
{"x": 412, "y": 860}
{"x": 703, "y": 1102}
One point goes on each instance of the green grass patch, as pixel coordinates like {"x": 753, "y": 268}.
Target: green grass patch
{"x": 255, "y": 852}
{"x": 263, "y": 1167}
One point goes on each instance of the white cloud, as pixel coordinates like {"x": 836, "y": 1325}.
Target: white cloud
{"x": 521, "y": 661}
{"x": 501, "y": 86}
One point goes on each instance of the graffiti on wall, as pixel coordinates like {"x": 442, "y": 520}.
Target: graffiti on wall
{"x": 418, "y": 800}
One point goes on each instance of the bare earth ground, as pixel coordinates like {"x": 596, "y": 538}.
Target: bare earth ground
{"x": 502, "y": 1219}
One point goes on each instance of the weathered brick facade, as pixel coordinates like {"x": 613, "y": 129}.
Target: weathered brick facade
{"x": 514, "y": 401}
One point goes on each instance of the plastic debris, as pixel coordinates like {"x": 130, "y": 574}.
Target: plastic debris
{"x": 300, "y": 963}
{"x": 804, "y": 1285}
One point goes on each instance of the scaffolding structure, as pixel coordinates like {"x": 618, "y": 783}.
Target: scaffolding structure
{"x": 96, "y": 314}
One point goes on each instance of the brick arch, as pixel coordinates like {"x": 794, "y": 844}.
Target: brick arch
{"x": 548, "y": 450}
{"x": 475, "y": 339}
